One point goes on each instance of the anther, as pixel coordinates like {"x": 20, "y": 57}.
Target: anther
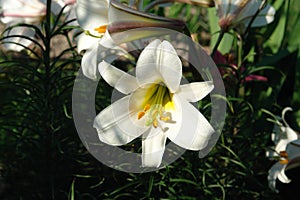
{"x": 141, "y": 114}
{"x": 101, "y": 29}
{"x": 147, "y": 107}
{"x": 285, "y": 161}
{"x": 283, "y": 154}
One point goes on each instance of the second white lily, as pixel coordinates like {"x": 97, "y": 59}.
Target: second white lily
{"x": 155, "y": 107}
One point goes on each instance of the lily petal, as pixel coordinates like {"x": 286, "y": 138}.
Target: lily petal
{"x": 107, "y": 41}
{"x": 89, "y": 63}
{"x": 265, "y": 16}
{"x": 195, "y": 91}
{"x": 166, "y": 65}
{"x": 92, "y": 13}
{"x": 122, "y": 17}
{"x": 282, "y": 177}
{"x": 117, "y": 124}
{"x": 86, "y": 42}
{"x": 153, "y": 147}
{"x": 275, "y": 172}
{"x": 117, "y": 78}
{"x": 291, "y": 135}
{"x": 194, "y": 131}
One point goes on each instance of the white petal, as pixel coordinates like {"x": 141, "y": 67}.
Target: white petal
{"x": 89, "y": 62}
{"x": 117, "y": 78}
{"x": 195, "y": 91}
{"x": 274, "y": 173}
{"x": 194, "y": 131}
{"x": 222, "y": 7}
{"x": 266, "y": 16}
{"x": 108, "y": 42}
{"x": 288, "y": 136}
{"x": 86, "y": 42}
{"x": 159, "y": 60}
{"x": 117, "y": 124}
{"x": 146, "y": 71}
{"x": 291, "y": 134}
{"x": 282, "y": 177}
{"x": 249, "y": 9}
{"x": 153, "y": 147}
{"x": 170, "y": 65}
{"x": 92, "y": 13}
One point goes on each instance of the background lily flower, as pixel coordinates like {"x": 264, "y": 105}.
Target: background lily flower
{"x": 290, "y": 160}
{"x": 282, "y": 135}
{"x": 237, "y": 14}
{"x": 122, "y": 17}
{"x": 92, "y": 16}
{"x": 33, "y": 12}
{"x": 155, "y": 107}
{"x": 100, "y": 22}
{"x": 287, "y": 149}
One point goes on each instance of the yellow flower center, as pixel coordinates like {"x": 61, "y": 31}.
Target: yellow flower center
{"x": 157, "y": 103}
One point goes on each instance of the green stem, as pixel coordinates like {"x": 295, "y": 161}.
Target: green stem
{"x": 255, "y": 15}
{"x": 240, "y": 86}
{"x": 239, "y": 50}
{"x": 220, "y": 37}
{"x": 48, "y": 137}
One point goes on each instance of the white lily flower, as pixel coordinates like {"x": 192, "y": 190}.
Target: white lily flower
{"x": 237, "y": 14}
{"x": 155, "y": 107}
{"x": 92, "y": 16}
{"x": 282, "y": 135}
{"x": 287, "y": 148}
{"x": 33, "y": 12}
{"x": 290, "y": 159}
{"x": 100, "y": 18}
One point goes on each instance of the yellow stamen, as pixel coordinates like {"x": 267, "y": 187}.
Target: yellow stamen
{"x": 141, "y": 114}
{"x": 165, "y": 119}
{"x": 155, "y": 123}
{"x": 157, "y": 102}
{"x": 101, "y": 29}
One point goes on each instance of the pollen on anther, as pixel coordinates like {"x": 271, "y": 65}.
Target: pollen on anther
{"x": 283, "y": 154}
{"x": 147, "y": 107}
{"x": 141, "y": 114}
{"x": 101, "y": 29}
{"x": 285, "y": 161}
